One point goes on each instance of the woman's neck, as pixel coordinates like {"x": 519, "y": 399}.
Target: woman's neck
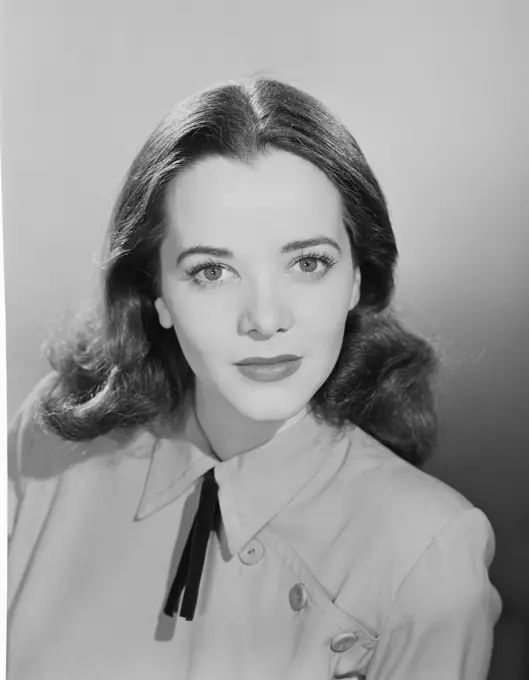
{"x": 230, "y": 433}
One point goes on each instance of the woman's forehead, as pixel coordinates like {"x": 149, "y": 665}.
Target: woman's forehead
{"x": 279, "y": 192}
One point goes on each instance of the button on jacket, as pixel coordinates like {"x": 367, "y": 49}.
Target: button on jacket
{"x": 333, "y": 558}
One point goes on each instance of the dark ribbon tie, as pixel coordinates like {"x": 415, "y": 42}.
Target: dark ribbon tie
{"x": 191, "y": 564}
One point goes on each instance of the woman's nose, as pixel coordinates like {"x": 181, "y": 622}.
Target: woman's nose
{"x": 265, "y": 311}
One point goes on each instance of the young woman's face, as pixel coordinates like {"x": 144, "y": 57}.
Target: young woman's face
{"x": 269, "y": 292}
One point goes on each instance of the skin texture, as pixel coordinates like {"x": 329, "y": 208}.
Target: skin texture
{"x": 260, "y": 302}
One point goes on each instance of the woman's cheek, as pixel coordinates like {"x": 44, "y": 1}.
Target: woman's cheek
{"x": 202, "y": 333}
{"x": 324, "y": 316}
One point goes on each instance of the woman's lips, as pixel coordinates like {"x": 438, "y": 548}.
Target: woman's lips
{"x": 251, "y": 361}
{"x": 269, "y": 372}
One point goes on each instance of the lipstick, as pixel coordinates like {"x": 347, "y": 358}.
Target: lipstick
{"x": 269, "y": 369}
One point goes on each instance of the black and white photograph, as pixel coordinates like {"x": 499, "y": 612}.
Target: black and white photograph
{"x": 266, "y": 331}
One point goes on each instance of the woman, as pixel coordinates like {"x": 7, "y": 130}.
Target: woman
{"x": 220, "y": 479}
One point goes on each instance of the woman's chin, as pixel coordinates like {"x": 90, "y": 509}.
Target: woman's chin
{"x": 273, "y": 409}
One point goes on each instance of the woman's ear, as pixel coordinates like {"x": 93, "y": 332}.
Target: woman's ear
{"x": 163, "y": 313}
{"x": 356, "y": 288}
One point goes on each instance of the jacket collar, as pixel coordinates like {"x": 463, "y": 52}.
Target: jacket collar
{"x": 253, "y": 486}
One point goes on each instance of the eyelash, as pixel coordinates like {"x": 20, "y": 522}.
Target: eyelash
{"x": 324, "y": 258}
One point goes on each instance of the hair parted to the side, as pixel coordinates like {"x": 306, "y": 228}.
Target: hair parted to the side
{"x": 119, "y": 368}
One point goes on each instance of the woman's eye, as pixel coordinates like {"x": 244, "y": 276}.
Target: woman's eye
{"x": 212, "y": 273}
{"x": 207, "y": 274}
{"x": 315, "y": 266}
{"x": 309, "y": 264}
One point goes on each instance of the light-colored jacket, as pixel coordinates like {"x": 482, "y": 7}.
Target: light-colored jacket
{"x": 334, "y": 559}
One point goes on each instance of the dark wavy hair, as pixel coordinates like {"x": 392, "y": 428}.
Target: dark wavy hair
{"x": 116, "y": 367}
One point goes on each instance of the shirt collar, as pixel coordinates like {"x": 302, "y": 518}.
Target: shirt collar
{"x": 254, "y": 486}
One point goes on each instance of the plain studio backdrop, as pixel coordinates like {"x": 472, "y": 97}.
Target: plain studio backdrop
{"x": 435, "y": 93}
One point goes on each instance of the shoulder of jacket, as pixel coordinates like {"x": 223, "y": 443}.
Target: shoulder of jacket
{"x": 35, "y": 452}
{"x": 396, "y": 513}
{"x": 401, "y": 497}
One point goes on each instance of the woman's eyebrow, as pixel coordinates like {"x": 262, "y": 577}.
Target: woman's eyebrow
{"x": 287, "y": 248}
